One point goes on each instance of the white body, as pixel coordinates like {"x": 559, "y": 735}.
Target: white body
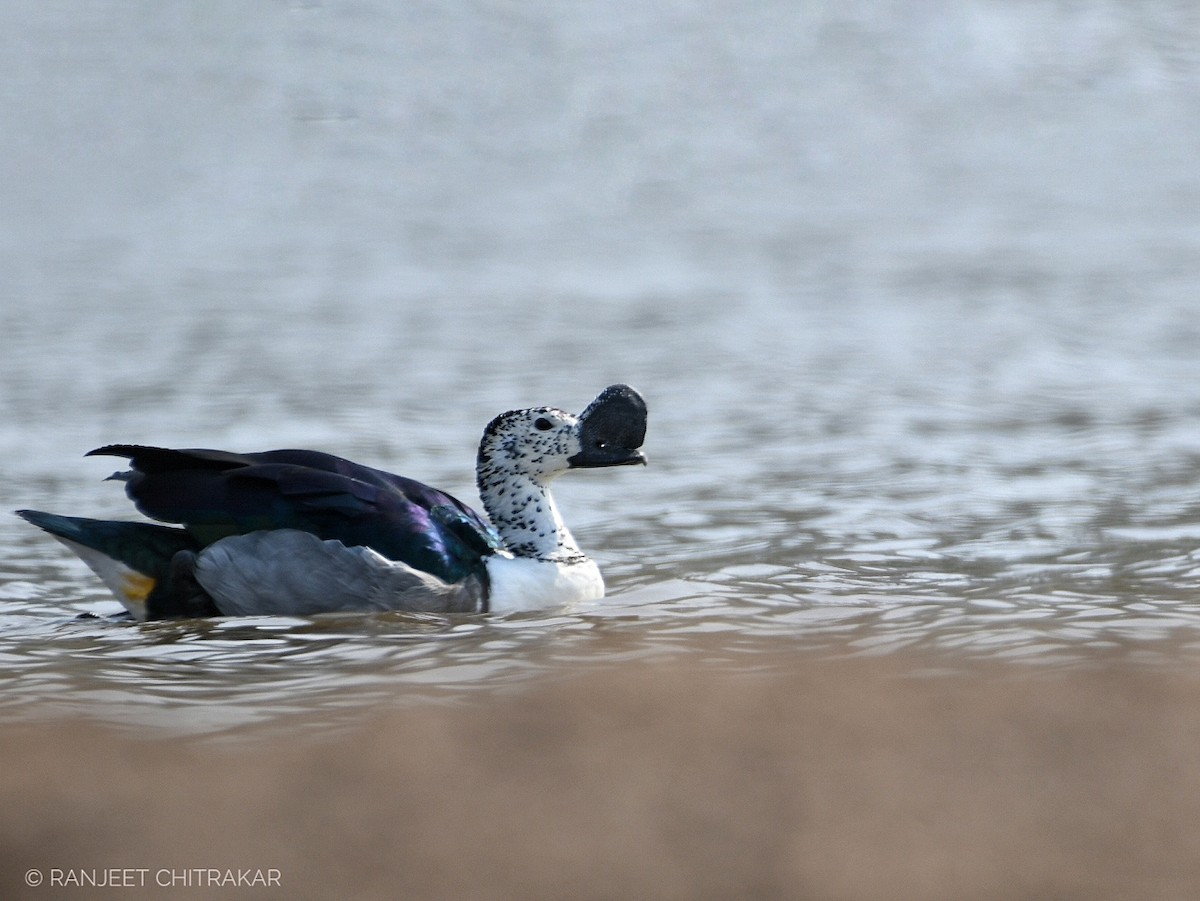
{"x": 289, "y": 572}
{"x": 525, "y": 583}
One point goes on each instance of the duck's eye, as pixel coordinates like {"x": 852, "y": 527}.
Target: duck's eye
{"x": 542, "y": 424}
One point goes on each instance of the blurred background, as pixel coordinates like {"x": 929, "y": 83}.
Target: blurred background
{"x": 345, "y": 216}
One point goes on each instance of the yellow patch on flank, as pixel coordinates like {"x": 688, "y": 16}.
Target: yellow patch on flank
{"x": 137, "y": 587}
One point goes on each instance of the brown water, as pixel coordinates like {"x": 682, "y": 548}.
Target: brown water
{"x": 912, "y": 298}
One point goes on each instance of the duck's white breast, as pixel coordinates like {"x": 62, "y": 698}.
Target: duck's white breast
{"x": 521, "y": 583}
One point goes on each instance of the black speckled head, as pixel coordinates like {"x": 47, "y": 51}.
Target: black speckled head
{"x": 542, "y": 442}
{"x": 535, "y": 443}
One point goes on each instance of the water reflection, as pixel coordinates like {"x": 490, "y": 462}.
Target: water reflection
{"x": 866, "y": 544}
{"x": 211, "y": 676}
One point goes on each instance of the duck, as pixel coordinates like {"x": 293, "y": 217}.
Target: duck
{"x": 303, "y": 532}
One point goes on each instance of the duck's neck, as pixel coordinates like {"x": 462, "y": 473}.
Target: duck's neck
{"x": 524, "y": 513}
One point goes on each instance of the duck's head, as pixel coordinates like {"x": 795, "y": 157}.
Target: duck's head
{"x": 544, "y": 442}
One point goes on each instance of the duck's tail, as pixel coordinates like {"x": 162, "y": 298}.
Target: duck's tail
{"x": 136, "y": 560}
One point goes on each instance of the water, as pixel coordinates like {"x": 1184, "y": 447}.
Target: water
{"x": 911, "y": 290}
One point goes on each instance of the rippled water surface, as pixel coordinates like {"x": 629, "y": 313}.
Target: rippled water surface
{"x": 912, "y": 293}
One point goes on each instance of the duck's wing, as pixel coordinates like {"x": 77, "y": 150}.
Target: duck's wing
{"x": 289, "y": 572}
{"x": 217, "y": 494}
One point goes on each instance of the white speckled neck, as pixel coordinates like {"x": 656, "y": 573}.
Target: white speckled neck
{"x": 524, "y": 513}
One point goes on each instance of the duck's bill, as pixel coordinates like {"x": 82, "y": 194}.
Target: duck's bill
{"x": 607, "y": 456}
{"x": 611, "y": 429}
